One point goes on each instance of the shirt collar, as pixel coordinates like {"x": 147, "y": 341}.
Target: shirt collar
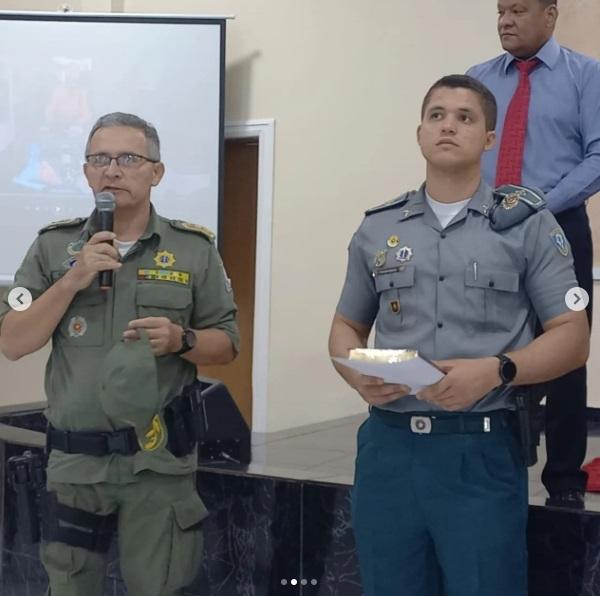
{"x": 481, "y": 202}
{"x": 548, "y": 54}
{"x": 482, "y": 199}
{"x": 153, "y": 227}
{"x": 415, "y": 205}
{"x": 418, "y": 205}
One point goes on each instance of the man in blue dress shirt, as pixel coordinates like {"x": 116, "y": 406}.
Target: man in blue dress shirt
{"x": 561, "y": 156}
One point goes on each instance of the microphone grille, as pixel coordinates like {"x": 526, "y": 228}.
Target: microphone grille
{"x": 105, "y": 201}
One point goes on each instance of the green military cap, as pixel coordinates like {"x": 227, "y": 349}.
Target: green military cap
{"x": 129, "y": 391}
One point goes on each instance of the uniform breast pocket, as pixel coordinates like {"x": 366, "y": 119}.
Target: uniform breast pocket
{"x": 84, "y": 322}
{"x": 162, "y": 300}
{"x": 492, "y": 296}
{"x": 397, "y": 295}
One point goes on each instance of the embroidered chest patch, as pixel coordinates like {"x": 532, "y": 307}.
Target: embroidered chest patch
{"x": 180, "y": 277}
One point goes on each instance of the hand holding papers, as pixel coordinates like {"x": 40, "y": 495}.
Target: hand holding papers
{"x": 405, "y": 367}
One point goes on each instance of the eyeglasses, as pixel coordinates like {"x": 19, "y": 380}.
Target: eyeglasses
{"x": 124, "y": 160}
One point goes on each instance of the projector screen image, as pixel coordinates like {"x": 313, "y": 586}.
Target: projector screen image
{"x": 58, "y": 74}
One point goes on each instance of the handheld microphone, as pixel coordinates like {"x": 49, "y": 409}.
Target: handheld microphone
{"x": 105, "y": 207}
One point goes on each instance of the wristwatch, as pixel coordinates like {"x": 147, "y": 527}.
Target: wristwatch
{"x": 188, "y": 341}
{"x": 507, "y": 369}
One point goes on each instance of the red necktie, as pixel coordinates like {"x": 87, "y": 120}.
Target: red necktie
{"x": 510, "y": 154}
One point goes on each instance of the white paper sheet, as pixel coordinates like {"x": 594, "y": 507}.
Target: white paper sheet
{"x": 415, "y": 373}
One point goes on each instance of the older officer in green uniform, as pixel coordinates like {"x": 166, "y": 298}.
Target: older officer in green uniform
{"x": 122, "y": 451}
{"x": 460, "y": 273}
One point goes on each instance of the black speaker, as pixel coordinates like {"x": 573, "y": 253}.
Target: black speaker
{"x": 224, "y": 434}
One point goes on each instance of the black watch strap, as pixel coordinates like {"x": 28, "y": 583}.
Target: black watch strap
{"x": 507, "y": 369}
{"x": 188, "y": 341}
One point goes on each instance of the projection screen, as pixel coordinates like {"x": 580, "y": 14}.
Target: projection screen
{"x": 60, "y": 72}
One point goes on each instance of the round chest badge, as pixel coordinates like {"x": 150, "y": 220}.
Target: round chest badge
{"x": 74, "y": 248}
{"x": 393, "y": 241}
{"x": 380, "y": 258}
{"x": 77, "y": 326}
{"x": 404, "y": 254}
{"x": 164, "y": 259}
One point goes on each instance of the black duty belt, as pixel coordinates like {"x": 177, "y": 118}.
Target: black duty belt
{"x": 182, "y": 418}
{"x": 433, "y": 423}
{"x": 123, "y": 442}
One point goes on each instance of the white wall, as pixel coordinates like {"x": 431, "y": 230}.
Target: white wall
{"x": 344, "y": 80}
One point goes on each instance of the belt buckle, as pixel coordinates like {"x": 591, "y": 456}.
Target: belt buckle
{"x": 118, "y": 442}
{"x": 420, "y": 425}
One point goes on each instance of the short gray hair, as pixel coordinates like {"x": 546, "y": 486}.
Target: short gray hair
{"x": 123, "y": 119}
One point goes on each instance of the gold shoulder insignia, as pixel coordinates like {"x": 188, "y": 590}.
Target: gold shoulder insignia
{"x": 190, "y": 227}
{"x": 63, "y": 223}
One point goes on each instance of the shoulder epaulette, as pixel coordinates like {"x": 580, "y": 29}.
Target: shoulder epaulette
{"x": 514, "y": 204}
{"x": 190, "y": 227}
{"x": 397, "y": 202}
{"x": 63, "y": 223}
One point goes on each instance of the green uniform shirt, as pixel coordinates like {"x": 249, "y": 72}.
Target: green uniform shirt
{"x": 173, "y": 271}
{"x": 463, "y": 291}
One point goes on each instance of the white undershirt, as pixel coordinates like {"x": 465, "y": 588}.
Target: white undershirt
{"x": 124, "y": 247}
{"x": 445, "y": 212}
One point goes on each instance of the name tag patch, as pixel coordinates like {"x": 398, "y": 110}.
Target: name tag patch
{"x": 180, "y": 277}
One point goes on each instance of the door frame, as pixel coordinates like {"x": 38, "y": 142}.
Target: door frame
{"x": 264, "y": 131}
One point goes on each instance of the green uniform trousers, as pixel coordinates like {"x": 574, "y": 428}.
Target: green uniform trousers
{"x": 440, "y": 514}
{"x": 159, "y": 536}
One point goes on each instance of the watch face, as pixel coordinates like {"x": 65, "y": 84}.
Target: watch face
{"x": 190, "y": 338}
{"x": 508, "y": 370}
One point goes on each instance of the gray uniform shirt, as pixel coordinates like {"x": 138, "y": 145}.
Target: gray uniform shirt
{"x": 464, "y": 291}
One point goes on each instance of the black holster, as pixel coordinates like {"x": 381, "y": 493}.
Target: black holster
{"x": 76, "y": 527}
{"x": 528, "y": 417}
{"x": 27, "y": 475}
{"x": 184, "y": 420}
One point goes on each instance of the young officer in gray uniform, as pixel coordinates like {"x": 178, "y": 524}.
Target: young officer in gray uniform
{"x": 122, "y": 452}
{"x": 460, "y": 273}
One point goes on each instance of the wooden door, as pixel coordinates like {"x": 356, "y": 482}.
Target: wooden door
{"x": 238, "y": 249}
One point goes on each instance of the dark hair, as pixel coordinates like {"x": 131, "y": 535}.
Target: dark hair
{"x": 546, "y": 3}
{"x": 486, "y": 97}
{"x": 122, "y": 119}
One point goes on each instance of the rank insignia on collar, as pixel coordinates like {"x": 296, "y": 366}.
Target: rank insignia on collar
{"x": 510, "y": 201}
{"x": 404, "y": 254}
{"x": 559, "y": 240}
{"x": 164, "y": 259}
{"x": 154, "y": 437}
{"x": 393, "y": 241}
{"x": 380, "y": 258}
{"x": 77, "y": 326}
